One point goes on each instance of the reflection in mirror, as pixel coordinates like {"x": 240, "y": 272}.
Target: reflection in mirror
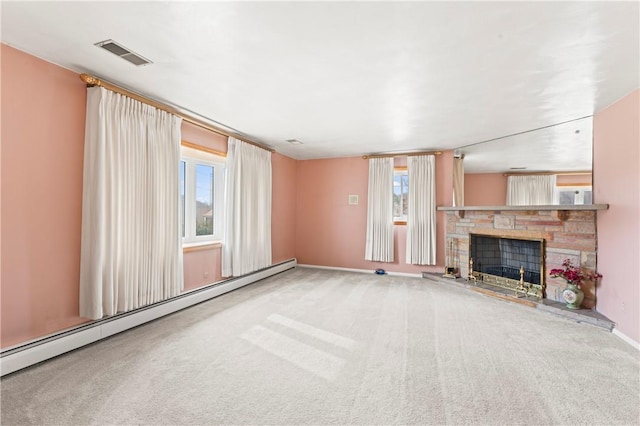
{"x": 565, "y": 149}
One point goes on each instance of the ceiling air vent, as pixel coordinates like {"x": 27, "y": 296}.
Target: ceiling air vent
{"x": 123, "y": 52}
{"x": 294, "y": 141}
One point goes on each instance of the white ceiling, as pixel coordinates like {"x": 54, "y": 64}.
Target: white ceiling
{"x": 350, "y": 78}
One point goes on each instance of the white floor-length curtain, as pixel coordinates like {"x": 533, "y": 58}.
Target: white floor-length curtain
{"x": 131, "y": 249}
{"x": 421, "y": 217}
{"x": 379, "y": 242}
{"x": 458, "y": 181}
{"x": 247, "y": 232}
{"x": 532, "y": 190}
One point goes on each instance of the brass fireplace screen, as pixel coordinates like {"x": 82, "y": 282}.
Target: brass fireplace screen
{"x": 511, "y": 263}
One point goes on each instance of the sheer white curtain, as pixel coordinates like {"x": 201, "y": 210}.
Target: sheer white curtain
{"x": 421, "y": 218}
{"x": 533, "y": 190}
{"x": 247, "y": 218}
{"x": 379, "y": 242}
{"x": 131, "y": 249}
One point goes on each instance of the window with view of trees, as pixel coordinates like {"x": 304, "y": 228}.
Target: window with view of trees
{"x": 400, "y": 195}
{"x": 201, "y": 189}
{"x": 204, "y": 199}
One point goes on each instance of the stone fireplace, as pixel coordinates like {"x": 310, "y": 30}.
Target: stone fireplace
{"x": 569, "y": 233}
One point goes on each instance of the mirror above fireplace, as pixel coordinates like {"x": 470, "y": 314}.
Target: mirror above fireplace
{"x": 563, "y": 147}
{"x": 564, "y": 150}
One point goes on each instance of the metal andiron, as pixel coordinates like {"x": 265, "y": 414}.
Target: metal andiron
{"x": 472, "y": 275}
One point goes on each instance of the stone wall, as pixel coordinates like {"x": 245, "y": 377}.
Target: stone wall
{"x": 567, "y": 234}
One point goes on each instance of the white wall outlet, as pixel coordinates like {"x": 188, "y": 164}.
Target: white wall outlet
{"x": 353, "y": 200}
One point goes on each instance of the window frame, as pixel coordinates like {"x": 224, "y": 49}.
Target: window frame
{"x": 193, "y": 157}
{"x": 579, "y": 190}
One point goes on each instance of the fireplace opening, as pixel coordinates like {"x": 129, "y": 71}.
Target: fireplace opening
{"x": 512, "y": 263}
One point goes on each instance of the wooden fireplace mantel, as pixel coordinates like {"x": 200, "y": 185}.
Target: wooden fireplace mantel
{"x": 562, "y": 209}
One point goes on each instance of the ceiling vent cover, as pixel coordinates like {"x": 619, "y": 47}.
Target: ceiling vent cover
{"x": 123, "y": 52}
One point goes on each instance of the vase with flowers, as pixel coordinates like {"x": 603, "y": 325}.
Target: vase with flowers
{"x": 574, "y": 276}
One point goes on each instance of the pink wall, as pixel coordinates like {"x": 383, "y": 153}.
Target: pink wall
{"x": 283, "y": 208}
{"x": 43, "y": 111}
{"x": 485, "y": 189}
{"x": 444, "y": 197}
{"x": 203, "y": 137}
{"x": 616, "y": 179}
{"x": 330, "y": 232}
{"x": 578, "y": 180}
{"x": 202, "y": 267}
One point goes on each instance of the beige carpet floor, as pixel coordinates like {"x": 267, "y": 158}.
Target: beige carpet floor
{"x": 325, "y": 347}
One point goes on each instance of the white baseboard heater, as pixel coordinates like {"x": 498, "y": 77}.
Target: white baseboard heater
{"x": 22, "y": 356}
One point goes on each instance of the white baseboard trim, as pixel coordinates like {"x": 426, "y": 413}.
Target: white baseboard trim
{"x": 362, "y": 271}
{"x": 626, "y": 338}
{"x": 22, "y": 356}
{"x": 405, "y": 274}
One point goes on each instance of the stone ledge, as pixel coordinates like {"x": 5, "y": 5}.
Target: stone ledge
{"x": 586, "y": 316}
{"x": 546, "y": 207}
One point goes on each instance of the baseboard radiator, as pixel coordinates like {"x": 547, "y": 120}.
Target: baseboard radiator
{"x": 19, "y": 357}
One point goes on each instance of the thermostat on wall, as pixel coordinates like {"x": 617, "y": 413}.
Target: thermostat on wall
{"x": 353, "y": 200}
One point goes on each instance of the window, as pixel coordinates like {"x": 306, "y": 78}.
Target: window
{"x": 569, "y": 195}
{"x": 201, "y": 190}
{"x": 400, "y": 195}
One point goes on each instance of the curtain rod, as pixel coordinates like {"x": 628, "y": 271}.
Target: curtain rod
{"x": 401, "y": 154}
{"x": 91, "y": 80}
{"x": 547, "y": 173}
